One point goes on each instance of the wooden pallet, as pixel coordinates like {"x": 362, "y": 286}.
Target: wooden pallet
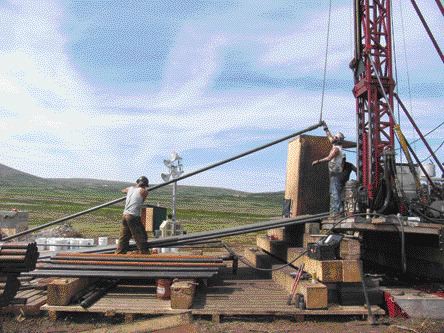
{"x": 231, "y": 298}
{"x": 261, "y": 298}
{"x": 26, "y": 302}
{"x": 124, "y": 299}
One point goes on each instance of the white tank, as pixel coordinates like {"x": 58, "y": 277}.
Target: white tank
{"x": 74, "y": 243}
{"x": 407, "y": 181}
{"x": 102, "y": 241}
{"x": 430, "y": 169}
{"x": 52, "y": 246}
{"x": 41, "y": 243}
{"x": 83, "y": 243}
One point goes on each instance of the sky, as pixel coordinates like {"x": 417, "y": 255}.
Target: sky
{"x": 108, "y": 89}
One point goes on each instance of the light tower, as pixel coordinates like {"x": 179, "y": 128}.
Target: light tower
{"x": 175, "y": 170}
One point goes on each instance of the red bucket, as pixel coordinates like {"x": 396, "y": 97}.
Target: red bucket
{"x": 163, "y": 288}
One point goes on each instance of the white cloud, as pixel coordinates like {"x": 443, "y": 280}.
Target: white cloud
{"x": 55, "y": 123}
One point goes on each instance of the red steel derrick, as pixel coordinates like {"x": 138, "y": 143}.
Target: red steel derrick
{"x": 373, "y": 52}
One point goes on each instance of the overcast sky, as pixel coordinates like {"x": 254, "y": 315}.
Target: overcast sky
{"x": 107, "y": 89}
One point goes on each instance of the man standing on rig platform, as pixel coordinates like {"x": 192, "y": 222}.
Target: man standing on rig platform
{"x": 131, "y": 223}
{"x": 335, "y": 169}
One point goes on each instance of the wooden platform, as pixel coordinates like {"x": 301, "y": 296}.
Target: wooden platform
{"x": 26, "y": 302}
{"x": 388, "y": 224}
{"x": 259, "y": 297}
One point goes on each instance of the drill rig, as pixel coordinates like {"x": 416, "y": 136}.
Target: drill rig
{"x": 374, "y": 89}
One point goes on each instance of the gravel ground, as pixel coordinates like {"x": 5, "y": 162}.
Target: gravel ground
{"x": 84, "y": 322}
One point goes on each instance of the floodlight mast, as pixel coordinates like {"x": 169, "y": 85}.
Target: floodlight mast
{"x": 175, "y": 170}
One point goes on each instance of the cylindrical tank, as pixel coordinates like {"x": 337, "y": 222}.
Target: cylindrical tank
{"x": 41, "y": 243}
{"x": 102, "y": 241}
{"x": 430, "y": 169}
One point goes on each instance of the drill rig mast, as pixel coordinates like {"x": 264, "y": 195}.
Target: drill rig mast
{"x": 375, "y": 123}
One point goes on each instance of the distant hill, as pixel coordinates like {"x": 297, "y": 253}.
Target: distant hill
{"x": 14, "y": 177}
{"x": 10, "y": 176}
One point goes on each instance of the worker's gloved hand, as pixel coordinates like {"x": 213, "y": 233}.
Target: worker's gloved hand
{"x": 324, "y": 126}
{"x": 315, "y": 162}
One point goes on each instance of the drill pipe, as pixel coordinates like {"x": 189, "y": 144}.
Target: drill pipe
{"x": 136, "y": 263}
{"x": 251, "y": 151}
{"x": 140, "y": 260}
{"x": 214, "y": 234}
{"x": 123, "y": 274}
{"x": 80, "y": 267}
{"x": 135, "y": 255}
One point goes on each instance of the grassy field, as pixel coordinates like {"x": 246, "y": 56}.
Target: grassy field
{"x": 199, "y": 208}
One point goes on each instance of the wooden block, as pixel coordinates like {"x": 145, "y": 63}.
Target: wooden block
{"x": 325, "y": 270}
{"x": 350, "y": 271}
{"x": 278, "y": 233}
{"x": 293, "y": 235}
{"x": 293, "y": 253}
{"x": 61, "y": 291}
{"x": 311, "y": 239}
{"x": 315, "y": 294}
{"x": 283, "y": 278}
{"x": 312, "y": 228}
{"x": 277, "y": 248}
{"x": 258, "y": 257}
{"x": 147, "y": 218}
{"x": 350, "y": 249}
{"x": 215, "y": 318}
{"x": 52, "y": 315}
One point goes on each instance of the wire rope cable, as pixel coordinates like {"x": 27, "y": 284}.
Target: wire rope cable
{"x": 406, "y": 65}
{"x": 325, "y": 62}
{"x": 434, "y": 152}
{"x": 429, "y": 132}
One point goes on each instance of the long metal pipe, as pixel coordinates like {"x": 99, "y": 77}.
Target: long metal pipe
{"x": 215, "y": 234}
{"x": 211, "y": 166}
{"x": 140, "y": 260}
{"x": 423, "y": 139}
{"x": 80, "y": 267}
{"x": 122, "y": 274}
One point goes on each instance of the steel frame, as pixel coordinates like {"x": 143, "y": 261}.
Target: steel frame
{"x": 375, "y": 125}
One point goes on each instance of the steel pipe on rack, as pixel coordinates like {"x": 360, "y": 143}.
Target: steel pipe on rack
{"x": 123, "y": 274}
{"x": 215, "y": 234}
{"x": 123, "y": 268}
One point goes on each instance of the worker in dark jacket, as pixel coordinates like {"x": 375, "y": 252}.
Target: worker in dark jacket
{"x": 347, "y": 169}
{"x": 131, "y": 223}
{"x": 335, "y": 168}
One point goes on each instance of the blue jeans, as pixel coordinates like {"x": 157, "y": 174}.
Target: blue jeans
{"x": 335, "y": 193}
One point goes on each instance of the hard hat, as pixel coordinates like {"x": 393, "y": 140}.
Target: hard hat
{"x": 340, "y": 136}
{"x": 142, "y": 181}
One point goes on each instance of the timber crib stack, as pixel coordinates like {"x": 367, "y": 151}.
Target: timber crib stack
{"x": 15, "y": 258}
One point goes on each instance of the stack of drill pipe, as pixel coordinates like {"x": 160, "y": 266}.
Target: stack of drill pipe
{"x": 208, "y": 236}
{"x": 69, "y": 264}
{"x": 18, "y": 257}
{"x": 15, "y": 258}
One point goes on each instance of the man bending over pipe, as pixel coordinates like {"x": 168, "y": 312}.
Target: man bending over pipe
{"x": 131, "y": 223}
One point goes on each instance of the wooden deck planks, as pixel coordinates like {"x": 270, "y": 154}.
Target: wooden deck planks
{"x": 233, "y": 297}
